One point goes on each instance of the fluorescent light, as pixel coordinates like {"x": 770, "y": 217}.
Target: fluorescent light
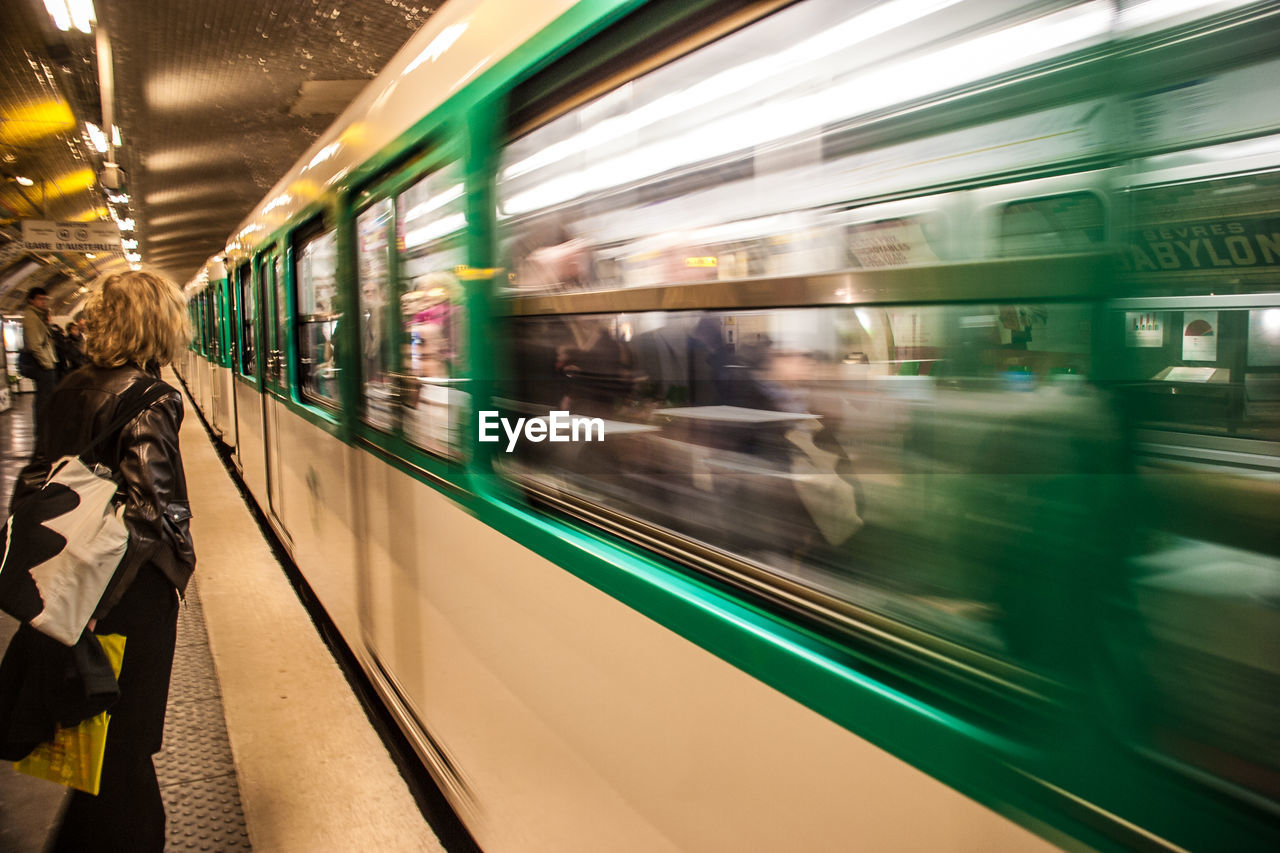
{"x": 60, "y": 13}
{"x": 1134, "y": 15}
{"x": 435, "y": 230}
{"x": 115, "y": 136}
{"x": 82, "y": 14}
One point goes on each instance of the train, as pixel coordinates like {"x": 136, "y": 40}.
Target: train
{"x": 928, "y": 359}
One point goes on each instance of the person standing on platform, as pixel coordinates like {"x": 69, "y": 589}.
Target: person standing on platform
{"x": 71, "y": 355}
{"x": 38, "y": 340}
{"x": 134, "y": 323}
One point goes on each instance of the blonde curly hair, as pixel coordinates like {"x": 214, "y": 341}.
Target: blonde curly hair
{"x": 134, "y": 318}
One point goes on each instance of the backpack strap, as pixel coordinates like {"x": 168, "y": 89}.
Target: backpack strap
{"x": 133, "y": 402}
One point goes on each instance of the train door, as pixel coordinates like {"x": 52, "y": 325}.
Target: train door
{"x": 249, "y": 450}
{"x": 275, "y": 381}
{"x": 227, "y": 384}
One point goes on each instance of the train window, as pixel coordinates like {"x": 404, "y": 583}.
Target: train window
{"x": 279, "y": 312}
{"x": 1200, "y": 357}
{"x": 318, "y": 318}
{"x": 742, "y": 158}
{"x": 430, "y": 226}
{"x": 206, "y": 316}
{"x": 215, "y": 321}
{"x": 200, "y": 329}
{"x": 1071, "y": 222}
{"x": 411, "y": 321}
{"x": 248, "y": 313}
{"x": 265, "y": 286}
{"x": 832, "y": 448}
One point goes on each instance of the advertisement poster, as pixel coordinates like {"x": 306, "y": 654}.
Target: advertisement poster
{"x": 1144, "y": 329}
{"x": 1200, "y": 336}
{"x": 890, "y": 243}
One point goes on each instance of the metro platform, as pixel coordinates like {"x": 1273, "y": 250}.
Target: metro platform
{"x": 266, "y": 744}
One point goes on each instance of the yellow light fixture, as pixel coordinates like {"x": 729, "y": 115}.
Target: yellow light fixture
{"x": 28, "y": 124}
{"x": 71, "y": 184}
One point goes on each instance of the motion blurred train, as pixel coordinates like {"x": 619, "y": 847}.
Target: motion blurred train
{"x": 935, "y": 345}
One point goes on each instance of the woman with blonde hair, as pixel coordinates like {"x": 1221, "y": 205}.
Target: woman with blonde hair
{"x": 135, "y": 323}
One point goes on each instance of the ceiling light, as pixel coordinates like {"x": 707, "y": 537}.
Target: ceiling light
{"x": 69, "y": 13}
{"x": 128, "y": 244}
{"x": 25, "y": 181}
{"x": 95, "y": 137}
{"x": 82, "y": 14}
{"x": 125, "y": 224}
{"x": 60, "y": 13}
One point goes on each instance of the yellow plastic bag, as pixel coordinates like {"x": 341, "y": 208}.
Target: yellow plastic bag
{"x": 74, "y": 756}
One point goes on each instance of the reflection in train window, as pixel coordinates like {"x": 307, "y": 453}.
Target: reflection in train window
{"x": 430, "y": 225}
{"x": 318, "y": 318}
{"x": 279, "y": 309}
{"x": 919, "y": 462}
{"x": 267, "y": 278}
{"x": 1204, "y": 370}
{"x": 411, "y": 329}
{"x": 376, "y": 331}
{"x": 248, "y": 313}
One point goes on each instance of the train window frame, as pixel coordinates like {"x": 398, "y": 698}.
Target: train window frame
{"x": 304, "y": 360}
{"x": 387, "y": 188}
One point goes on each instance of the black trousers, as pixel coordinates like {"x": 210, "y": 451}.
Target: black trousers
{"x": 127, "y": 815}
{"x": 46, "y": 381}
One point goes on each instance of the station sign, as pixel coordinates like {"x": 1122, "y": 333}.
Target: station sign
{"x": 40, "y": 235}
{"x": 1239, "y": 244}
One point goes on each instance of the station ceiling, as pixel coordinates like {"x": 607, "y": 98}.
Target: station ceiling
{"x": 213, "y": 101}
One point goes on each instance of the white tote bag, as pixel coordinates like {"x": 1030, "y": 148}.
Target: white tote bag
{"x": 71, "y": 582}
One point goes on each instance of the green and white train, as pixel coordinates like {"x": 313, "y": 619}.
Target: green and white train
{"x": 935, "y": 345}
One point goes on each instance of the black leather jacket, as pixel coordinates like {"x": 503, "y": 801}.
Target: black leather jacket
{"x": 145, "y": 459}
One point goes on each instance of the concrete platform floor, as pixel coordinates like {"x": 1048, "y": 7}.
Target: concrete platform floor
{"x": 309, "y": 770}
